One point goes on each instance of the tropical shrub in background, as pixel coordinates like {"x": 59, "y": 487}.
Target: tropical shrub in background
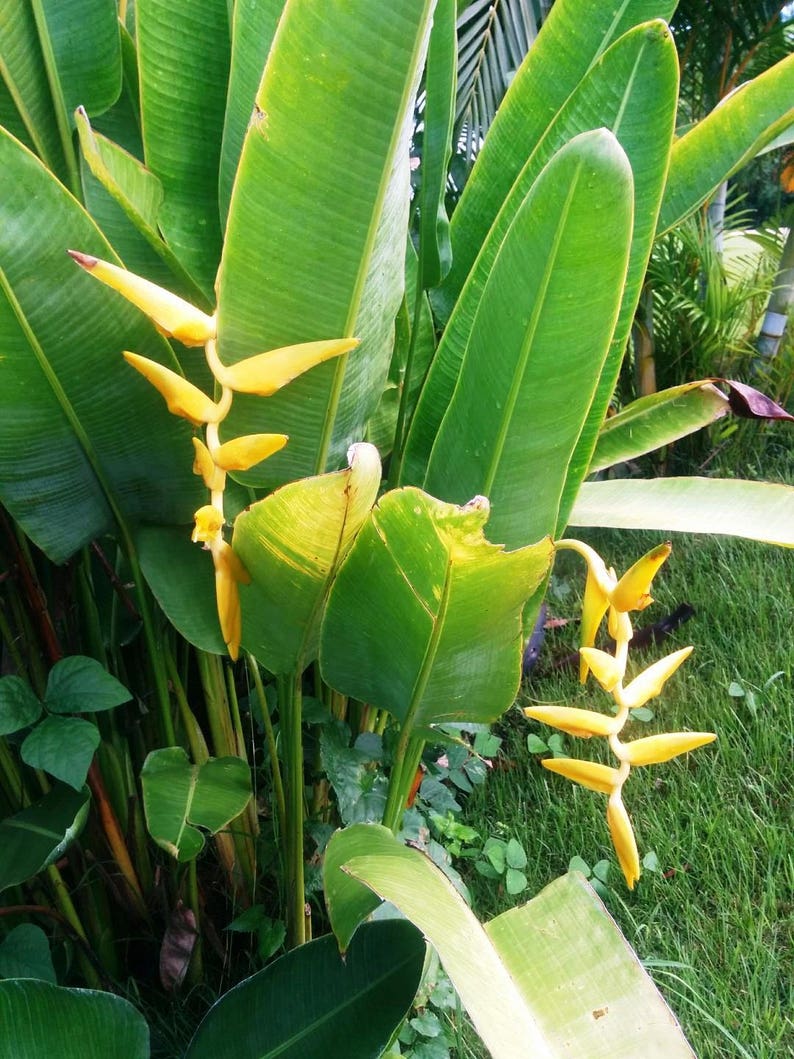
{"x": 244, "y": 186}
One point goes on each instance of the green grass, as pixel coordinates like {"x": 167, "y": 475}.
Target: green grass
{"x": 715, "y": 925}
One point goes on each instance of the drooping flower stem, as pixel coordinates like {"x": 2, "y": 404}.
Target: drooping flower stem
{"x": 289, "y": 702}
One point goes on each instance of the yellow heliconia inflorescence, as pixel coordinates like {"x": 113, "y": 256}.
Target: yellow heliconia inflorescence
{"x": 262, "y": 374}
{"x": 605, "y": 593}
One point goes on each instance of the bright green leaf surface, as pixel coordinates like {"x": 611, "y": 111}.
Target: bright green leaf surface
{"x": 253, "y": 28}
{"x": 81, "y": 685}
{"x": 38, "y": 835}
{"x": 348, "y": 901}
{"x": 572, "y": 38}
{"x": 424, "y": 617}
{"x": 617, "y": 1012}
{"x": 656, "y": 420}
{"x": 25, "y": 953}
{"x": 74, "y": 417}
{"x": 726, "y": 139}
{"x": 179, "y": 798}
{"x": 317, "y": 223}
{"x": 183, "y": 57}
{"x": 46, "y": 1021}
{"x": 312, "y": 1004}
{"x": 757, "y": 510}
{"x": 62, "y": 746}
{"x": 530, "y": 368}
{"x": 19, "y": 707}
{"x": 292, "y": 543}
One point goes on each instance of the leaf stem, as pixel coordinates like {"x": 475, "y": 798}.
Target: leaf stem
{"x": 270, "y": 739}
{"x": 289, "y": 698}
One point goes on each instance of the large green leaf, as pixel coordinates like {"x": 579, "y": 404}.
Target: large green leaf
{"x": 179, "y": 798}
{"x": 758, "y": 510}
{"x": 554, "y": 978}
{"x": 572, "y": 38}
{"x": 312, "y": 1004}
{"x": 530, "y": 367}
{"x": 734, "y": 132}
{"x": 292, "y": 543}
{"x": 317, "y": 223}
{"x": 253, "y": 28}
{"x": 631, "y": 85}
{"x": 424, "y": 617}
{"x": 38, "y": 835}
{"x": 656, "y": 420}
{"x": 618, "y": 1012}
{"x": 183, "y": 57}
{"x": 348, "y": 901}
{"x": 74, "y": 418}
{"x": 47, "y": 1021}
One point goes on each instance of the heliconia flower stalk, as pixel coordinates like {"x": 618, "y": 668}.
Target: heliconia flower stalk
{"x": 171, "y": 315}
{"x": 182, "y": 397}
{"x": 654, "y": 749}
{"x": 590, "y": 774}
{"x": 605, "y": 667}
{"x": 582, "y": 723}
{"x": 623, "y": 839}
{"x": 242, "y": 453}
{"x": 266, "y": 373}
{"x": 632, "y": 591}
{"x": 651, "y": 681}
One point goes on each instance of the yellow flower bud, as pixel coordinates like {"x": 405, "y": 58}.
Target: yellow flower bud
{"x": 651, "y": 681}
{"x": 209, "y": 522}
{"x": 182, "y": 397}
{"x": 632, "y": 591}
{"x": 582, "y": 723}
{"x": 204, "y": 465}
{"x": 242, "y": 453}
{"x": 589, "y": 774}
{"x": 607, "y": 669}
{"x": 594, "y": 607}
{"x": 268, "y": 372}
{"x": 227, "y": 597}
{"x": 172, "y": 316}
{"x": 654, "y": 749}
{"x": 623, "y": 839}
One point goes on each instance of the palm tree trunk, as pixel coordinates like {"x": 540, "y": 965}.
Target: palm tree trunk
{"x": 775, "y": 320}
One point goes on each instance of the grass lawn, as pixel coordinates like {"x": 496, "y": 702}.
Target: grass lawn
{"x": 714, "y": 924}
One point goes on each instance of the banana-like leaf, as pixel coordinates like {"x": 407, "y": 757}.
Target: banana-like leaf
{"x": 760, "y": 511}
{"x": 317, "y": 223}
{"x": 561, "y": 945}
{"x": 183, "y": 57}
{"x": 437, "y": 119}
{"x": 633, "y": 82}
{"x": 42, "y": 1020}
{"x": 292, "y": 543}
{"x": 424, "y": 617}
{"x": 38, "y": 835}
{"x": 253, "y": 28}
{"x": 25, "y": 76}
{"x": 528, "y": 354}
{"x": 179, "y": 798}
{"x": 733, "y": 133}
{"x": 656, "y": 420}
{"x": 313, "y": 1004}
{"x": 74, "y": 418}
{"x": 572, "y": 38}
{"x": 348, "y": 901}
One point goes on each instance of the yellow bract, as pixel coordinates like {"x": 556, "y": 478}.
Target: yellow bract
{"x": 182, "y": 397}
{"x": 605, "y": 667}
{"x": 633, "y": 591}
{"x": 654, "y": 749}
{"x": 583, "y": 723}
{"x": 209, "y": 522}
{"x": 172, "y": 315}
{"x": 623, "y": 839}
{"x": 651, "y": 681}
{"x": 242, "y": 453}
{"x": 204, "y": 465}
{"x": 589, "y": 774}
{"x": 266, "y": 373}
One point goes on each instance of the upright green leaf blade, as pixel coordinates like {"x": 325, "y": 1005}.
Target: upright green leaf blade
{"x": 83, "y": 40}
{"x": 317, "y": 222}
{"x": 291, "y": 543}
{"x": 183, "y": 57}
{"x": 758, "y": 510}
{"x": 528, "y": 355}
{"x": 735, "y": 131}
{"x": 34, "y": 837}
{"x": 424, "y": 617}
{"x": 74, "y": 418}
{"x": 312, "y": 1004}
{"x": 48, "y": 1020}
{"x": 349, "y": 901}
